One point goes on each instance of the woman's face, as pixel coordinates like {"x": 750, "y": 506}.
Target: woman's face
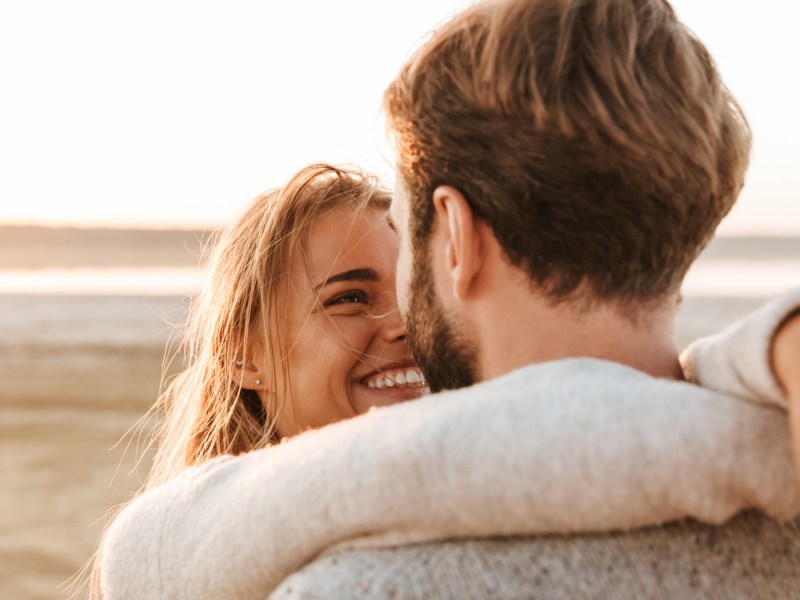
{"x": 347, "y": 349}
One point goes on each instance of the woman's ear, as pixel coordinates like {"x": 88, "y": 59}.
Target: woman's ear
{"x": 464, "y": 251}
{"x": 248, "y": 375}
{"x": 248, "y": 369}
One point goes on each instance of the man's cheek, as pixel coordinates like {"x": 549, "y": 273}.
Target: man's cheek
{"x": 403, "y": 281}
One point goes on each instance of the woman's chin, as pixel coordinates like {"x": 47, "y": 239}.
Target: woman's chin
{"x": 365, "y": 397}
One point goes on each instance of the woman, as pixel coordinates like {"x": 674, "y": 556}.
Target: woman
{"x": 298, "y": 328}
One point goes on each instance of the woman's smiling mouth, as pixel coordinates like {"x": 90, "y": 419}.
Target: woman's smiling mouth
{"x": 402, "y": 377}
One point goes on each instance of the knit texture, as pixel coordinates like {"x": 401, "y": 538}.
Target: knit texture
{"x": 751, "y": 557}
{"x": 570, "y": 446}
{"x": 748, "y": 359}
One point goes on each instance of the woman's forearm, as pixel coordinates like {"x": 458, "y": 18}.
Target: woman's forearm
{"x": 739, "y": 361}
{"x": 786, "y": 362}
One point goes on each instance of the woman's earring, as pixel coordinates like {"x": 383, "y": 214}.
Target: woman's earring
{"x": 239, "y": 362}
{"x": 258, "y": 382}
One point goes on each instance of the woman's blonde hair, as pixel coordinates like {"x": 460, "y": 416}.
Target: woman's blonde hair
{"x": 206, "y": 412}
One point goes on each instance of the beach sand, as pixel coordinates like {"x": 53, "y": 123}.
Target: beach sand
{"x": 87, "y": 371}
{"x": 76, "y": 373}
{"x": 61, "y": 472}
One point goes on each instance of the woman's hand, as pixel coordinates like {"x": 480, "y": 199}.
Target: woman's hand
{"x": 786, "y": 362}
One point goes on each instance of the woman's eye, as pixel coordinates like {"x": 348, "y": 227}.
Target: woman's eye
{"x": 351, "y": 297}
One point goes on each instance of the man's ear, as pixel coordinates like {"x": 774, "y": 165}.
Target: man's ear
{"x": 464, "y": 246}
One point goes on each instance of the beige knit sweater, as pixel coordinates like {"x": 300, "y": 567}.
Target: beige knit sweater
{"x": 578, "y": 445}
{"x": 751, "y": 557}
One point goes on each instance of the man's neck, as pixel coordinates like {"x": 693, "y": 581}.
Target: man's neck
{"x": 535, "y": 331}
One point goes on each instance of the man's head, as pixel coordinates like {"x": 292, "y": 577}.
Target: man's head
{"x": 594, "y": 138}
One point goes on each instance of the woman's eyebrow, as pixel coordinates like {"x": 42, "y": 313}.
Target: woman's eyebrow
{"x": 351, "y": 275}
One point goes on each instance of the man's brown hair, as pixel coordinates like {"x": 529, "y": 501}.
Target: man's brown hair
{"x": 595, "y": 137}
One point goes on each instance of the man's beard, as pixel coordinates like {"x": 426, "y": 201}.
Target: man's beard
{"x": 447, "y": 358}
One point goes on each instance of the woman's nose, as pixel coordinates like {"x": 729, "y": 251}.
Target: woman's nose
{"x": 392, "y": 327}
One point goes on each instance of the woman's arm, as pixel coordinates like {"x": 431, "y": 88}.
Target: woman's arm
{"x": 786, "y": 363}
{"x": 739, "y": 360}
{"x": 756, "y": 358}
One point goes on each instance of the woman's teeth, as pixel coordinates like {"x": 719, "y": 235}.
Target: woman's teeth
{"x": 399, "y": 378}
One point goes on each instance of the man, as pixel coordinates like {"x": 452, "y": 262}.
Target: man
{"x": 560, "y": 165}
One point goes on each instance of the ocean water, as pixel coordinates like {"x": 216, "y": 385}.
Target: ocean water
{"x": 106, "y": 281}
{"x": 742, "y": 278}
{"x": 142, "y": 305}
{"x": 69, "y": 262}
{"x": 710, "y": 277}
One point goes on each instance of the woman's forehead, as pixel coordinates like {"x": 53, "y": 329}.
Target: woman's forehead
{"x": 345, "y": 239}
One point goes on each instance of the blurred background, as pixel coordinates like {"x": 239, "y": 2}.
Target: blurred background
{"x": 130, "y": 131}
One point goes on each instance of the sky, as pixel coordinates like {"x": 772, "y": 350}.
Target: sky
{"x": 167, "y": 113}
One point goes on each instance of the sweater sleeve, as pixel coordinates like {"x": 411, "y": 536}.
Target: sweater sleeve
{"x": 736, "y": 361}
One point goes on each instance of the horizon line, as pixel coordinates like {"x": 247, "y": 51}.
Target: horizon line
{"x": 200, "y": 228}
{"x": 189, "y": 227}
